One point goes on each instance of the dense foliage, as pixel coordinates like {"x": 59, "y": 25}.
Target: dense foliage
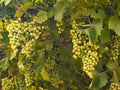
{"x": 59, "y": 45}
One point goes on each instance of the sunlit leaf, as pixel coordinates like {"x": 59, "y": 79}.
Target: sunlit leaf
{"x": 21, "y": 10}
{"x": 1, "y": 25}
{"x": 44, "y": 74}
{"x": 7, "y": 2}
{"x": 41, "y": 17}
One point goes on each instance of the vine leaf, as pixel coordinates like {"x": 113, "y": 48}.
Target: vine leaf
{"x": 65, "y": 51}
{"x": 41, "y": 17}
{"x": 105, "y": 36}
{"x": 21, "y": 10}
{"x": 112, "y": 65}
{"x": 99, "y": 81}
{"x": 44, "y": 74}
{"x": 3, "y": 64}
{"x": 94, "y": 30}
{"x": 91, "y": 12}
{"x": 7, "y": 2}
{"x": 59, "y": 9}
{"x": 118, "y": 72}
{"x": 98, "y": 24}
{"x": 93, "y": 37}
{"x": 114, "y": 23}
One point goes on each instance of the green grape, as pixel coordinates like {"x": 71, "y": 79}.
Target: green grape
{"x": 115, "y": 47}
{"x": 28, "y": 71}
{"x": 20, "y": 82}
{"x": 8, "y": 84}
{"x": 83, "y": 49}
{"x": 52, "y": 69}
{"x": 60, "y": 27}
{"x": 114, "y": 86}
{"x": 54, "y": 74}
{"x": 23, "y": 35}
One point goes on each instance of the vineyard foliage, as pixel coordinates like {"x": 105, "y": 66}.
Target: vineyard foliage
{"x": 59, "y": 45}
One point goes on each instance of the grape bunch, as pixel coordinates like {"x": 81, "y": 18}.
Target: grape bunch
{"x": 14, "y": 83}
{"x": 23, "y": 35}
{"x": 20, "y": 82}
{"x": 114, "y": 86}
{"x": 115, "y": 47}
{"x": 83, "y": 49}
{"x": 27, "y": 71}
{"x": 60, "y": 27}
{"x": 52, "y": 67}
{"x": 8, "y": 84}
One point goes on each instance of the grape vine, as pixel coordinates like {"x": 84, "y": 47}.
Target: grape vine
{"x": 59, "y": 44}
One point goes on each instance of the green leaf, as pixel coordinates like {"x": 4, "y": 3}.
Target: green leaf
{"x": 99, "y": 81}
{"x": 7, "y": 2}
{"x": 98, "y": 24}
{"x": 92, "y": 12}
{"x": 5, "y": 38}
{"x": 94, "y": 30}
{"x": 118, "y": 72}
{"x": 93, "y": 36}
{"x": 114, "y": 23}
{"x": 65, "y": 51}
{"x": 49, "y": 45}
{"x": 112, "y": 65}
{"x": 103, "y": 80}
{"x": 3, "y": 64}
{"x": 105, "y": 36}
{"x": 59, "y": 9}
{"x": 41, "y": 17}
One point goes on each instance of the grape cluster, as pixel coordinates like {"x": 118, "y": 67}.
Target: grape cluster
{"x": 115, "y": 47}
{"x": 20, "y": 82}
{"x": 45, "y": 3}
{"x": 7, "y": 84}
{"x": 14, "y": 83}
{"x": 23, "y": 35}
{"x": 60, "y": 27}
{"x": 52, "y": 68}
{"x": 83, "y": 49}
{"x": 114, "y": 86}
{"x": 28, "y": 71}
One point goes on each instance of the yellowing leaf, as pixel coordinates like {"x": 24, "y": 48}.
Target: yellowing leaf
{"x": 22, "y": 9}
{"x": 38, "y": 1}
{"x": 44, "y": 74}
{"x": 1, "y": 25}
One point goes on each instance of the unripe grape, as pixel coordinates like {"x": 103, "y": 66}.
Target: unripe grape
{"x": 84, "y": 50}
{"x": 21, "y": 34}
